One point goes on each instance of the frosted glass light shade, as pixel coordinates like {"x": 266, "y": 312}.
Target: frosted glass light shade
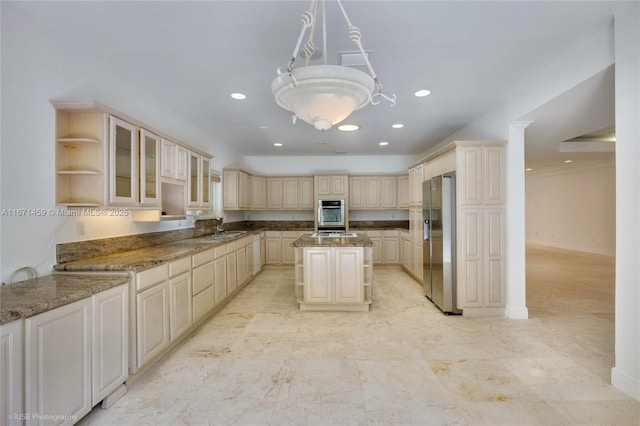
{"x": 323, "y": 95}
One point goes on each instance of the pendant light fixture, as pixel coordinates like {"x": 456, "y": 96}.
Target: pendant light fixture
{"x": 324, "y": 95}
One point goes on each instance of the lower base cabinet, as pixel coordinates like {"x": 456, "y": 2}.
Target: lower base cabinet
{"x": 75, "y": 356}
{"x": 11, "y": 380}
{"x": 110, "y": 347}
{"x": 58, "y": 364}
{"x": 152, "y": 322}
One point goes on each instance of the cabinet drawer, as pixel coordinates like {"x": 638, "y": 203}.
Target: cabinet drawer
{"x": 179, "y": 266}
{"x": 289, "y": 234}
{"x": 374, "y": 233}
{"x": 218, "y": 252}
{"x": 202, "y": 277}
{"x": 231, "y": 247}
{"x": 151, "y": 277}
{"x": 390, "y": 233}
{"x": 203, "y": 303}
{"x": 204, "y": 257}
{"x": 273, "y": 234}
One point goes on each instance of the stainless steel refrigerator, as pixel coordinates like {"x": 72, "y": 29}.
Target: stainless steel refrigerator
{"x": 439, "y": 250}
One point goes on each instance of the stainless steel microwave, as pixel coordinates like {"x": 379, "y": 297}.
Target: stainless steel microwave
{"x": 331, "y": 214}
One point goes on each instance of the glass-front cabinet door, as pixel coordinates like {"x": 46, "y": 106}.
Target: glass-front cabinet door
{"x": 194, "y": 179}
{"x": 123, "y": 162}
{"x": 206, "y": 180}
{"x": 149, "y": 170}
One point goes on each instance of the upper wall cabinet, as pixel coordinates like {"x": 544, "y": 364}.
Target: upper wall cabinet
{"x": 372, "y": 192}
{"x": 331, "y": 186}
{"x": 123, "y": 162}
{"x": 104, "y": 157}
{"x": 149, "y": 170}
{"x": 198, "y": 182}
{"x": 81, "y": 136}
{"x": 236, "y": 189}
{"x": 174, "y": 161}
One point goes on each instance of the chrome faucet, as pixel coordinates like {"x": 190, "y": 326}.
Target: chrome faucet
{"x": 219, "y": 222}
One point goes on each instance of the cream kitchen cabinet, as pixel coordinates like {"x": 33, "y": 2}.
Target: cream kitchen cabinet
{"x": 241, "y": 262}
{"x": 333, "y": 278}
{"x": 58, "y": 363}
{"x": 331, "y": 186}
{"x": 175, "y": 158}
{"x": 220, "y": 268}
{"x": 81, "y": 137}
{"x": 74, "y": 357}
{"x": 273, "y": 247}
{"x": 236, "y": 188}
{"x": 481, "y": 227}
{"x": 290, "y": 193}
{"x": 403, "y": 192}
{"x": 202, "y": 276}
{"x": 232, "y": 272}
{"x": 274, "y": 191}
{"x": 356, "y": 192}
{"x": 416, "y": 177}
{"x": 198, "y": 181}
{"x": 180, "y": 298}
{"x": 386, "y": 249}
{"x": 104, "y": 157}
{"x": 278, "y": 247}
{"x": 110, "y": 341}
{"x": 305, "y": 193}
{"x": 288, "y": 252}
{"x": 149, "y": 170}
{"x": 152, "y": 314}
{"x": 372, "y": 192}
{"x": 391, "y": 246}
{"x": 258, "y": 192}
{"x": 123, "y": 162}
{"x": 12, "y": 372}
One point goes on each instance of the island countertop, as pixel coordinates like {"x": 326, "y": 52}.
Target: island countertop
{"x": 360, "y": 240}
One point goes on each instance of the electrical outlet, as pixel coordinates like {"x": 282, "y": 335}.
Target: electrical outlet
{"x": 80, "y": 228}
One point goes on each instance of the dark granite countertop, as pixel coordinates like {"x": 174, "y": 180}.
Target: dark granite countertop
{"x": 28, "y": 298}
{"x": 147, "y": 257}
{"x": 306, "y": 240}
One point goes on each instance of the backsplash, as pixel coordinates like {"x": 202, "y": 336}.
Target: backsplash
{"x": 67, "y": 252}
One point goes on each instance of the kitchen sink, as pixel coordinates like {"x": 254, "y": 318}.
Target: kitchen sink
{"x": 230, "y": 233}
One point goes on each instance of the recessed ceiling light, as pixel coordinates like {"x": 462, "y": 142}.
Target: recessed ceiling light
{"x": 277, "y": 144}
{"x": 528, "y": 169}
{"x": 397, "y": 126}
{"x": 264, "y": 127}
{"x": 568, "y": 161}
{"x": 238, "y": 96}
{"x": 422, "y": 93}
{"x": 348, "y": 127}
{"x": 383, "y": 143}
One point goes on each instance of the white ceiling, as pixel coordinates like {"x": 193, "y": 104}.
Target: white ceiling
{"x": 192, "y": 55}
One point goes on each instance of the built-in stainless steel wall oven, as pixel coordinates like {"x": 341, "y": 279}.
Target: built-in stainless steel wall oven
{"x": 331, "y": 215}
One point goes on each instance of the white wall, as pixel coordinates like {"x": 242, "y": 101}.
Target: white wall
{"x": 626, "y": 373}
{"x": 305, "y": 165}
{"x": 34, "y": 70}
{"x": 573, "y": 210}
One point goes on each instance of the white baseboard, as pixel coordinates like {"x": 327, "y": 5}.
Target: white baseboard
{"x": 625, "y": 383}
{"x": 517, "y": 312}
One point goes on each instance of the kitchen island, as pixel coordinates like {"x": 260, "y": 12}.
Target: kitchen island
{"x": 333, "y": 272}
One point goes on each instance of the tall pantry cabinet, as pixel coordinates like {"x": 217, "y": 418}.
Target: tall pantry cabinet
{"x": 480, "y": 221}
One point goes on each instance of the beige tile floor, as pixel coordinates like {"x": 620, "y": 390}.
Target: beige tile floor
{"x": 261, "y": 361}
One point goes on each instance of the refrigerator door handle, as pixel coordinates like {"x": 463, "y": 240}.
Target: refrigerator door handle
{"x": 425, "y": 230}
